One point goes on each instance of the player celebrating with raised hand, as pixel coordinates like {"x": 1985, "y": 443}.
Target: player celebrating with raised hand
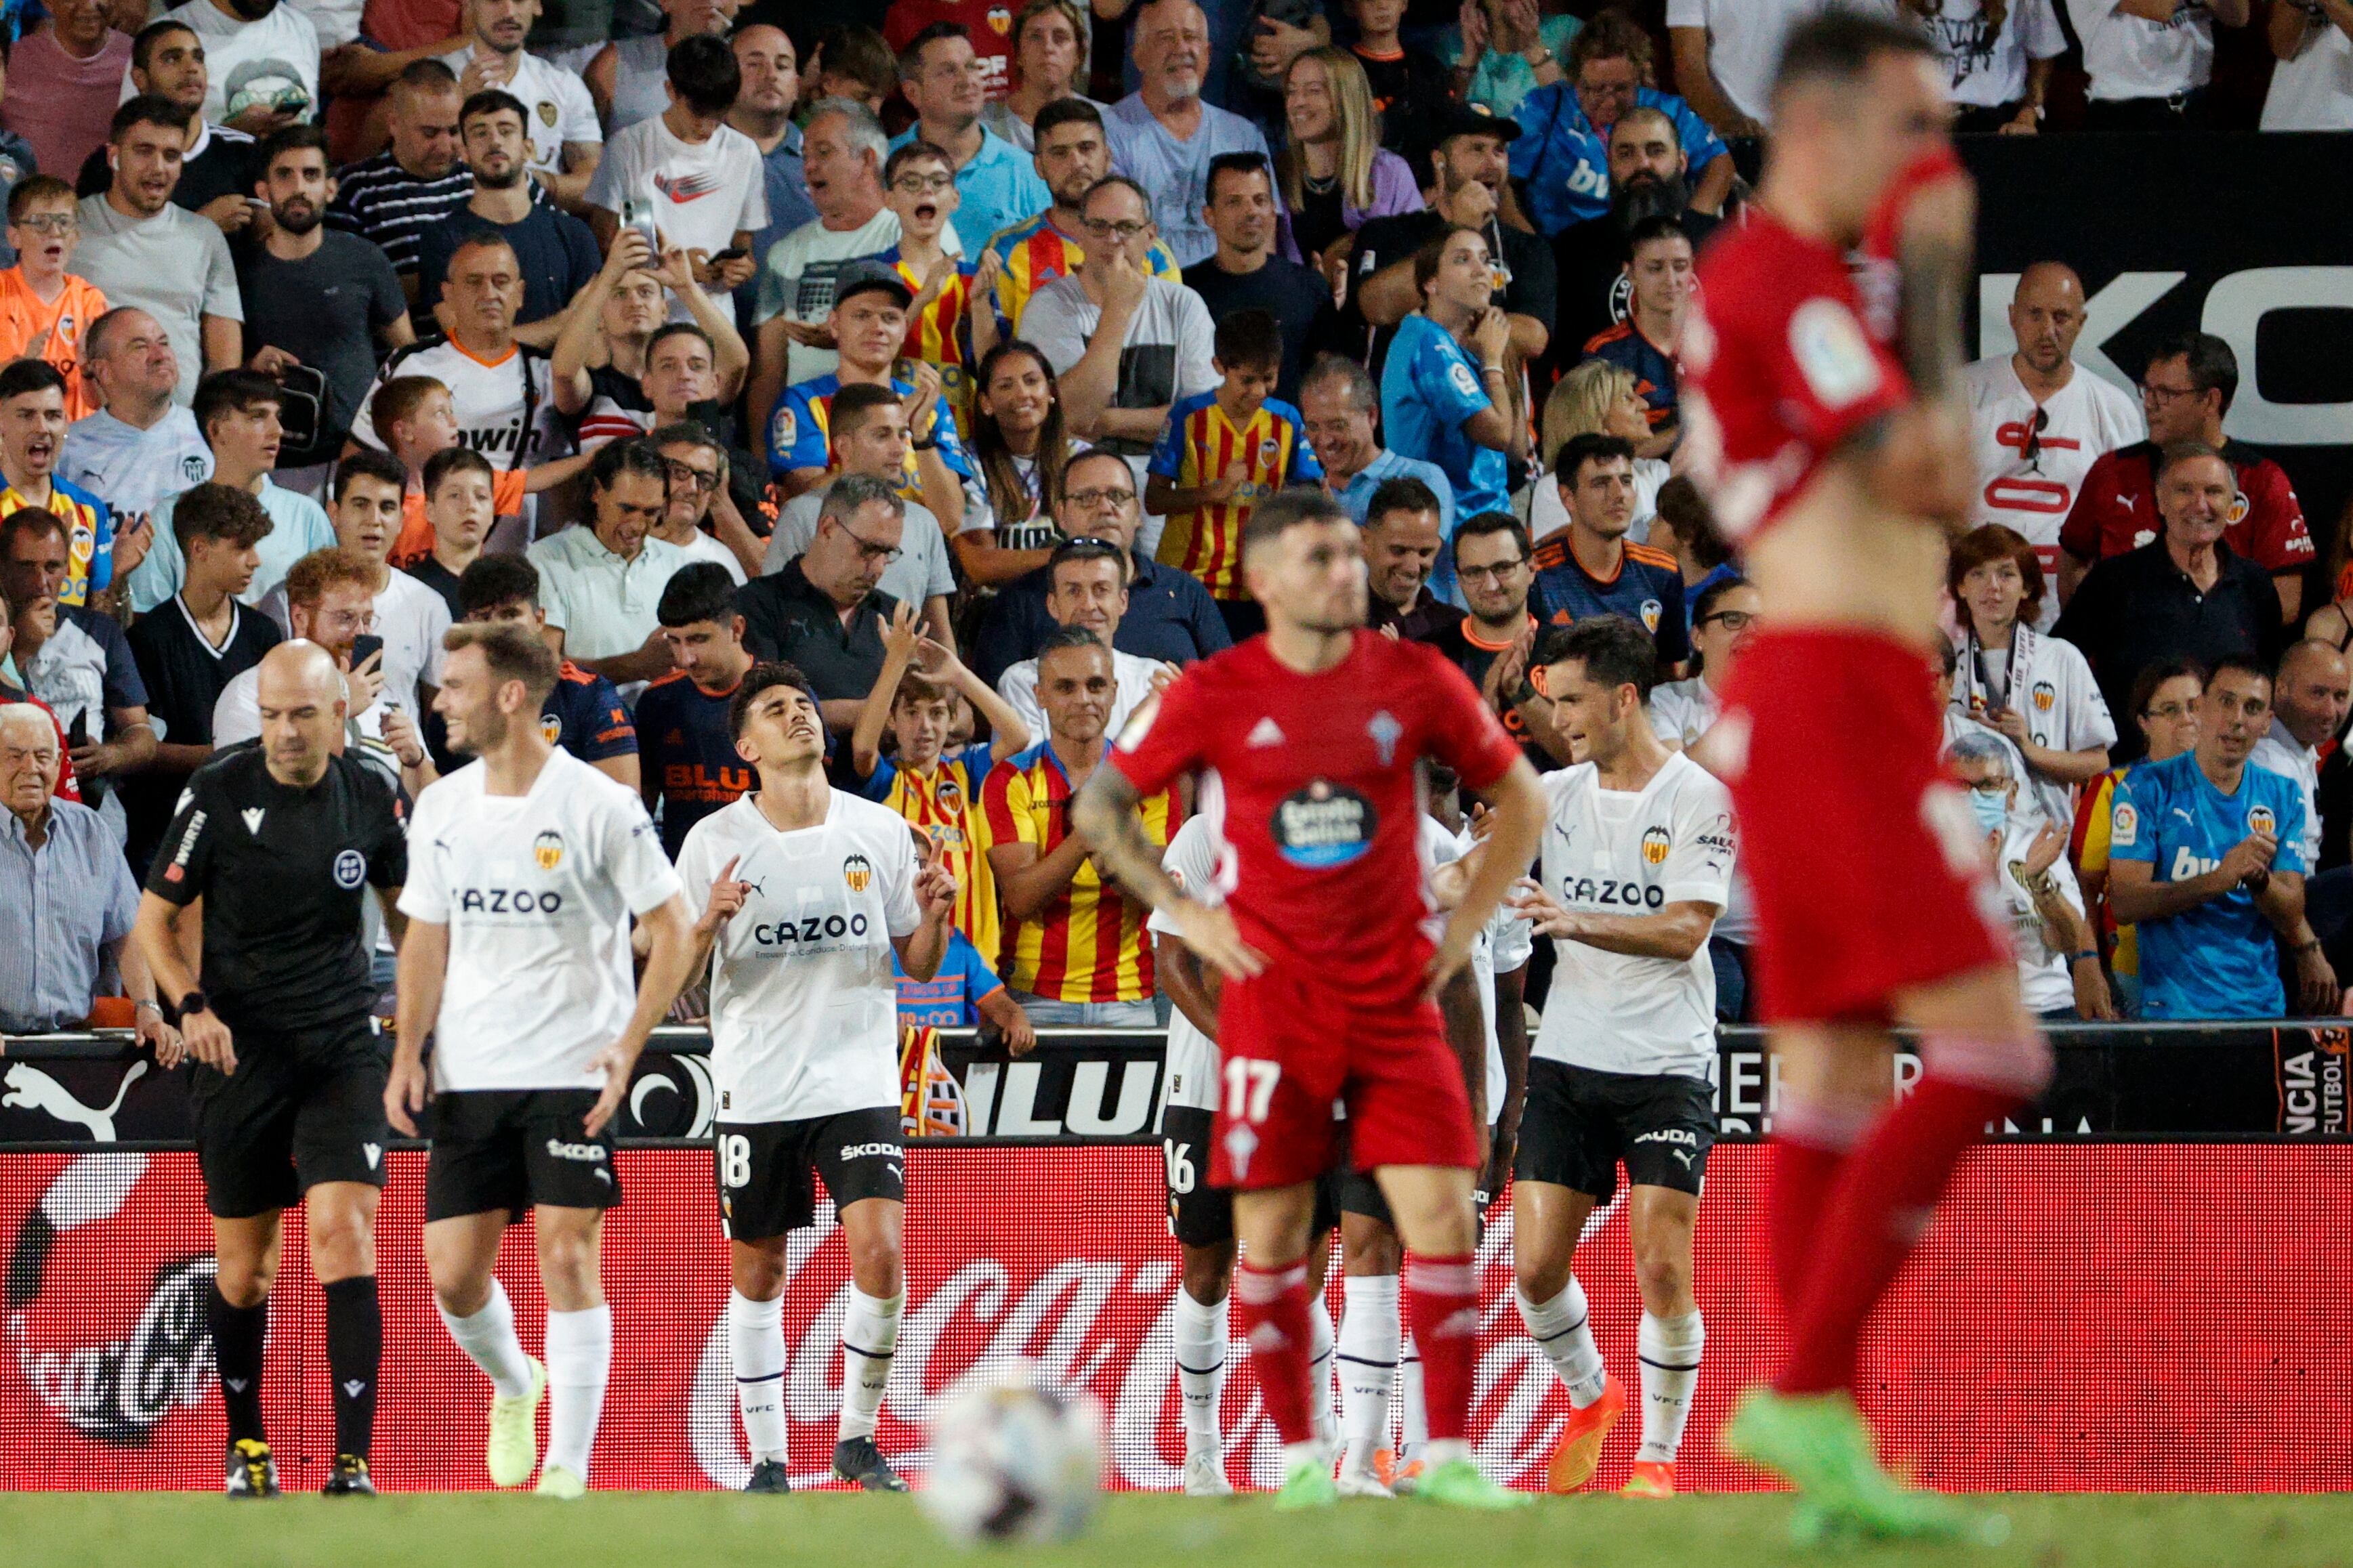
{"x": 526, "y": 866}
{"x": 1637, "y": 866}
{"x": 805, "y": 893}
{"x": 1315, "y": 733}
{"x": 1840, "y": 465}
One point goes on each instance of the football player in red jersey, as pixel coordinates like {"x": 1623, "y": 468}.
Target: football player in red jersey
{"x": 1309, "y": 742}
{"x": 1838, "y": 461}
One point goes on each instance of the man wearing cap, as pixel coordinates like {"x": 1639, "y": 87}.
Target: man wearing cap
{"x": 1473, "y": 190}
{"x": 869, "y": 323}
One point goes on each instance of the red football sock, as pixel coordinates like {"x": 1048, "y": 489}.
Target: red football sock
{"x": 1878, "y": 1208}
{"x": 1810, "y": 1144}
{"x": 1442, "y": 1308}
{"x": 1271, "y": 1311}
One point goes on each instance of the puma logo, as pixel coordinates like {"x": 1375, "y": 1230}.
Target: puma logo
{"x": 1682, "y": 1154}
{"x": 27, "y": 1088}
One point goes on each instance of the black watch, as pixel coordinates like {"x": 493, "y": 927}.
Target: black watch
{"x": 192, "y": 1004}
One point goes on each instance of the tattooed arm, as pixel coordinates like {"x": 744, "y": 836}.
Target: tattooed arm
{"x": 1103, "y": 814}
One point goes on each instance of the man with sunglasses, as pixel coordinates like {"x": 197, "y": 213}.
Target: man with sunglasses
{"x": 2038, "y": 421}
{"x": 2185, "y": 392}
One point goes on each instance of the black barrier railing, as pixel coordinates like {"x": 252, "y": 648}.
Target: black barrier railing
{"x": 2132, "y": 1082}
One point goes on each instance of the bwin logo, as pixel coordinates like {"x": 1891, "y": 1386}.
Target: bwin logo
{"x": 2187, "y": 865}
{"x": 592, "y": 1152}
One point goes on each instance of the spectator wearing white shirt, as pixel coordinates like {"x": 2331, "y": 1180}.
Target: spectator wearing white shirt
{"x": 600, "y": 582}
{"x": 697, "y": 178}
{"x": 2058, "y": 958}
{"x": 1125, "y": 344}
{"x": 1724, "y": 617}
{"x": 2312, "y": 84}
{"x": 330, "y": 601}
{"x": 236, "y": 410}
{"x": 626, "y": 78}
{"x": 1089, "y": 591}
{"x": 2037, "y": 691}
{"x": 565, "y": 139}
{"x": 1998, "y": 54}
{"x": 1726, "y": 52}
{"x": 868, "y": 426}
{"x": 2150, "y": 60}
{"x": 1958, "y": 724}
{"x": 2038, "y": 421}
{"x": 141, "y": 446}
{"x": 261, "y": 59}
{"x": 139, "y": 249}
{"x": 701, "y": 519}
{"x": 407, "y": 616}
{"x": 2310, "y": 697}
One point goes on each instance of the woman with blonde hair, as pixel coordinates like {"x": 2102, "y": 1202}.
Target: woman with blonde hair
{"x": 1333, "y": 171}
{"x": 1596, "y": 398}
{"x": 1049, "y": 61}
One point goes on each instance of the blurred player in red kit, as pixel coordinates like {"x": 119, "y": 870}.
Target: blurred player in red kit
{"x": 1309, "y": 740}
{"x": 1839, "y": 463}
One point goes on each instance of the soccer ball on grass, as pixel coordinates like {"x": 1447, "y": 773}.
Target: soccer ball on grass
{"x": 1013, "y": 1459}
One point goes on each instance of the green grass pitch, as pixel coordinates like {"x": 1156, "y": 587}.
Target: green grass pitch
{"x": 655, "y": 1530}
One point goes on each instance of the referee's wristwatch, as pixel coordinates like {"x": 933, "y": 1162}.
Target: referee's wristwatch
{"x": 193, "y": 1004}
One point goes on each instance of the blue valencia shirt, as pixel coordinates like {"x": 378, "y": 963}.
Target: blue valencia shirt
{"x": 800, "y": 433}
{"x": 1428, "y": 387}
{"x": 1566, "y": 161}
{"x": 950, "y": 999}
{"x": 1356, "y": 499}
{"x": 2216, "y": 961}
{"x": 997, "y": 188}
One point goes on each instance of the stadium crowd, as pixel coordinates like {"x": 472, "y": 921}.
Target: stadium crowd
{"x": 350, "y": 322}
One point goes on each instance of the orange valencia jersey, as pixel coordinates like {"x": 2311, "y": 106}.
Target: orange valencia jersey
{"x": 942, "y": 804}
{"x": 1033, "y": 254}
{"x": 24, "y": 317}
{"x": 1199, "y": 446}
{"x": 415, "y": 541}
{"x": 1089, "y": 944}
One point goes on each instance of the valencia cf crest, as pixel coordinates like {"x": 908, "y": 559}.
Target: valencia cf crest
{"x": 1269, "y": 451}
{"x": 951, "y": 795}
{"x": 548, "y": 849}
{"x": 1656, "y": 842}
{"x": 2045, "y": 695}
{"x": 1652, "y": 611}
{"x": 547, "y": 113}
{"x": 858, "y": 873}
{"x": 550, "y": 728}
{"x": 1000, "y": 21}
{"x": 2261, "y": 820}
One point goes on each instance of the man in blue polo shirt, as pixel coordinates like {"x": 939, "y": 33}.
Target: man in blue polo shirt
{"x": 1439, "y": 404}
{"x": 996, "y": 185}
{"x": 2206, "y": 860}
{"x": 1339, "y": 403}
{"x": 1589, "y": 569}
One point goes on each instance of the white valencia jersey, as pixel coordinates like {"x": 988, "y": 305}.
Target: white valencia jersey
{"x": 2084, "y": 421}
{"x": 2049, "y": 682}
{"x": 1191, "y": 862}
{"x": 2045, "y": 978}
{"x": 1503, "y": 945}
{"x": 536, "y": 891}
{"x": 804, "y": 1010}
{"x": 1615, "y": 852}
{"x": 1681, "y": 712}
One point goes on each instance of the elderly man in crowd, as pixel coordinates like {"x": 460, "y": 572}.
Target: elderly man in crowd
{"x": 2058, "y": 958}
{"x": 141, "y": 446}
{"x": 78, "y": 661}
{"x": 67, "y": 898}
{"x": 1165, "y": 135}
{"x": 822, "y": 611}
{"x": 1341, "y": 408}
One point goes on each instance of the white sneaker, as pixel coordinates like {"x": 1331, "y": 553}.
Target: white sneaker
{"x": 1205, "y": 1473}
{"x": 1357, "y": 1479}
{"x": 514, "y": 1432}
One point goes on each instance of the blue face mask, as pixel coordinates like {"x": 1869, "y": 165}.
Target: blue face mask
{"x": 1992, "y": 810}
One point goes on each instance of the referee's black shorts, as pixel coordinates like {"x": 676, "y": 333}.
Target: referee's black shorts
{"x": 304, "y": 1107}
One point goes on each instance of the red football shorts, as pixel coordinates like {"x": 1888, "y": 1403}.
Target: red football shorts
{"x": 1868, "y": 869}
{"x": 1290, "y": 1047}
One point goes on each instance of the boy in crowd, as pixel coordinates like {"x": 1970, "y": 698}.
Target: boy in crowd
{"x": 460, "y": 492}
{"x": 415, "y": 418}
{"x": 685, "y": 738}
{"x": 1221, "y": 453}
{"x": 950, "y": 325}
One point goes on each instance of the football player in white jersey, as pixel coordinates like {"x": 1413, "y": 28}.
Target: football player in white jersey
{"x": 805, "y": 893}
{"x": 1637, "y": 865}
{"x": 1374, "y": 1357}
{"x": 525, "y": 868}
{"x": 1200, "y": 1216}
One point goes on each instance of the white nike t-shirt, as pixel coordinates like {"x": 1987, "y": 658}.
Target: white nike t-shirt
{"x": 2084, "y": 421}
{"x": 2132, "y": 56}
{"x": 537, "y": 891}
{"x": 804, "y": 1009}
{"x": 1614, "y": 852}
{"x": 700, "y": 192}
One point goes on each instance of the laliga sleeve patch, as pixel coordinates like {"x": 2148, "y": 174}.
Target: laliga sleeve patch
{"x": 1465, "y": 383}
{"x": 1832, "y": 354}
{"x": 2124, "y": 824}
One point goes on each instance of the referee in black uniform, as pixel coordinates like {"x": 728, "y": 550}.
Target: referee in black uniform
{"x": 278, "y": 837}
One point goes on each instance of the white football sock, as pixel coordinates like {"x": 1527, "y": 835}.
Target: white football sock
{"x": 579, "y": 1362}
{"x": 755, "y": 1337}
{"x": 1413, "y": 1417}
{"x": 1198, "y": 1335}
{"x": 489, "y": 1340}
{"x": 1669, "y": 1350}
{"x": 1319, "y": 1369}
{"x": 1563, "y": 1328}
{"x": 869, "y": 1336}
{"x": 1368, "y": 1356}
